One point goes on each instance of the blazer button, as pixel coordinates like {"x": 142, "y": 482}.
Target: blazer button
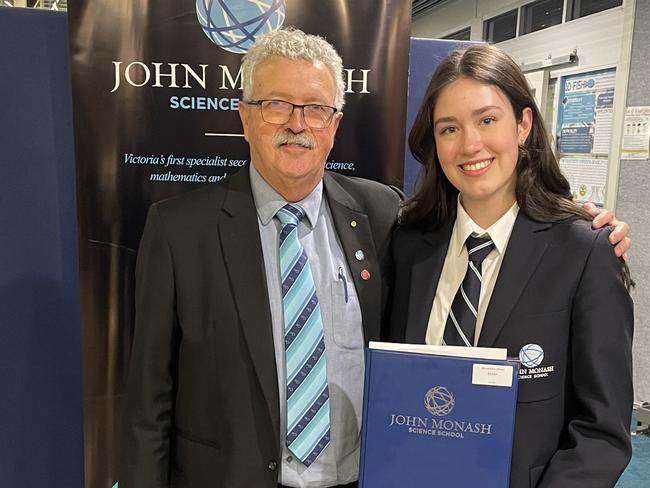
{"x": 273, "y": 465}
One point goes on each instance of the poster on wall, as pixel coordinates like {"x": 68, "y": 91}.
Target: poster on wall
{"x": 636, "y": 135}
{"x": 584, "y": 131}
{"x": 587, "y": 177}
{"x": 156, "y": 87}
{"x": 586, "y": 112}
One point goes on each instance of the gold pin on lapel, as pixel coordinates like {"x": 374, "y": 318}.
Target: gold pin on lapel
{"x": 353, "y": 224}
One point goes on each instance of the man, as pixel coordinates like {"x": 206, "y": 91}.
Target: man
{"x": 207, "y": 390}
{"x": 247, "y": 362}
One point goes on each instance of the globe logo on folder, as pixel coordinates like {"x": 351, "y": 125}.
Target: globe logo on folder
{"x": 233, "y": 24}
{"x": 439, "y": 401}
{"x": 531, "y": 355}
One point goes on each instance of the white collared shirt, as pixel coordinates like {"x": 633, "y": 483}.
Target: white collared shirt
{"x": 455, "y": 266}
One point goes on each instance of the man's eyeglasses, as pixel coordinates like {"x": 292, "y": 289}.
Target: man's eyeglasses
{"x": 279, "y": 112}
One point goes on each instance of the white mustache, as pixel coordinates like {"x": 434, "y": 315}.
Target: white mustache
{"x": 287, "y": 137}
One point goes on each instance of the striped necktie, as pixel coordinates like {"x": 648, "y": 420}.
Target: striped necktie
{"x": 308, "y": 408}
{"x": 461, "y": 323}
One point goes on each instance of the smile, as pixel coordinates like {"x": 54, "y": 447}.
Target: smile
{"x": 476, "y": 166}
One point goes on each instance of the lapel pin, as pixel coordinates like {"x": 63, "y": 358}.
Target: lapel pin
{"x": 353, "y": 224}
{"x": 359, "y": 255}
{"x": 365, "y": 275}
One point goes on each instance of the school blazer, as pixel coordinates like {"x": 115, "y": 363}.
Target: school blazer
{"x": 201, "y": 405}
{"x": 559, "y": 287}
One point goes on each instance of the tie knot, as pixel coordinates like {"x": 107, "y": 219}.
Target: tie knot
{"x": 478, "y": 248}
{"x": 290, "y": 214}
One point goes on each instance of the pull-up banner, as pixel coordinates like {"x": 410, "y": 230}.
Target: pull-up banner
{"x": 155, "y": 94}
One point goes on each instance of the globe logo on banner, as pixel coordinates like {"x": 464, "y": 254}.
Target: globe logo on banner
{"x": 531, "y": 355}
{"x": 439, "y": 401}
{"x": 233, "y": 25}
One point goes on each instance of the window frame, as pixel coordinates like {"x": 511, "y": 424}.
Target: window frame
{"x": 573, "y": 5}
{"x": 488, "y": 21}
{"x": 525, "y": 9}
{"x": 451, "y": 36}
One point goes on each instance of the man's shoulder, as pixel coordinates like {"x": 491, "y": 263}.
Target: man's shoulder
{"x": 366, "y": 190}
{"x": 381, "y": 203}
{"x": 195, "y": 205}
{"x": 196, "y": 198}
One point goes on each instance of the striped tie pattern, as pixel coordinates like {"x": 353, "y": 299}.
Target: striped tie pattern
{"x": 461, "y": 323}
{"x": 308, "y": 408}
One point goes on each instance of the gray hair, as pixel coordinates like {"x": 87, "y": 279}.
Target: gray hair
{"x": 293, "y": 44}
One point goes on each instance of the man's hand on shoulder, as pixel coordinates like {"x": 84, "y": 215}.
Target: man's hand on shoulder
{"x": 620, "y": 230}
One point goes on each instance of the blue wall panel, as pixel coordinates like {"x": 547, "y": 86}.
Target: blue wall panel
{"x": 40, "y": 401}
{"x": 424, "y": 57}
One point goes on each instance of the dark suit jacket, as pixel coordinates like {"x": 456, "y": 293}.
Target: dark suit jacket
{"x": 202, "y": 396}
{"x": 560, "y": 287}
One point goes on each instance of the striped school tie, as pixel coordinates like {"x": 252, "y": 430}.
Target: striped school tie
{"x": 308, "y": 408}
{"x": 461, "y": 323}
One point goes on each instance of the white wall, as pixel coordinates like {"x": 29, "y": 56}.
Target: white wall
{"x": 597, "y": 37}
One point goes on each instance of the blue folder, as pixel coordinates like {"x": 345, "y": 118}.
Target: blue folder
{"x": 431, "y": 420}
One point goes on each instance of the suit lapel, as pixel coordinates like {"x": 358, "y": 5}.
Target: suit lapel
{"x": 353, "y": 229}
{"x": 425, "y": 274}
{"x": 525, "y": 249}
{"x": 242, "y": 249}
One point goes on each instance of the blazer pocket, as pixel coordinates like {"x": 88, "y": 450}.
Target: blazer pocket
{"x": 536, "y": 474}
{"x": 538, "y": 390}
{"x": 195, "y": 461}
{"x": 182, "y": 436}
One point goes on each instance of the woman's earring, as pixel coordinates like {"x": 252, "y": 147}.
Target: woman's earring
{"x": 521, "y": 148}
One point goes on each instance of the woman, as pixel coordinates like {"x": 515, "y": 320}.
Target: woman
{"x": 542, "y": 283}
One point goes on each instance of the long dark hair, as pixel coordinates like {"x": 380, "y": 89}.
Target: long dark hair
{"x": 542, "y": 192}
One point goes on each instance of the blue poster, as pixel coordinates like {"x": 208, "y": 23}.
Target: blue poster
{"x": 585, "y": 112}
{"x": 578, "y": 109}
{"x": 576, "y": 140}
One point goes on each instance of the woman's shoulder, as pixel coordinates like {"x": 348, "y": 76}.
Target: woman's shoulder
{"x": 577, "y": 238}
{"x": 578, "y": 231}
{"x": 409, "y": 241}
{"x": 421, "y": 231}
